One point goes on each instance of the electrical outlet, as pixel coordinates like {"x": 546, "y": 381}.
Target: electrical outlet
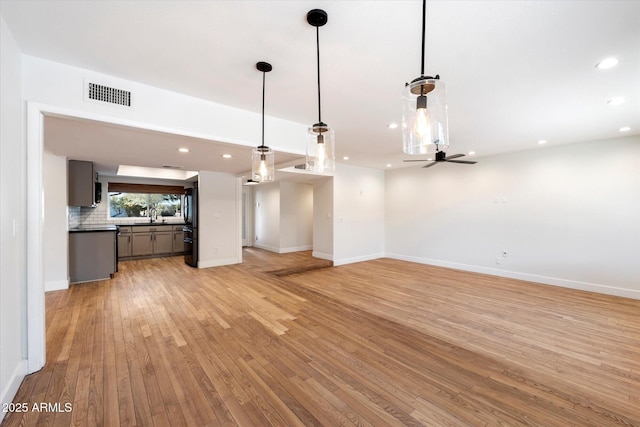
{"x": 498, "y": 260}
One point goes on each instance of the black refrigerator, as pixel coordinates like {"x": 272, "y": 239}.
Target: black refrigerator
{"x": 190, "y": 214}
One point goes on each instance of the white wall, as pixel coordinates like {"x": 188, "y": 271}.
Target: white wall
{"x": 55, "y": 233}
{"x": 61, "y": 85}
{"x": 566, "y": 215}
{"x": 13, "y": 235}
{"x": 323, "y": 218}
{"x": 296, "y": 217}
{"x": 266, "y": 208}
{"x": 283, "y": 216}
{"x": 359, "y": 205}
{"x": 219, "y": 223}
{"x": 247, "y": 194}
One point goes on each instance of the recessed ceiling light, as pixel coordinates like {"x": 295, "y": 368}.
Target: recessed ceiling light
{"x": 542, "y": 141}
{"x": 345, "y": 158}
{"x": 183, "y": 150}
{"x": 617, "y": 100}
{"x": 392, "y": 125}
{"x": 624, "y": 129}
{"x": 607, "y": 63}
{"x": 226, "y": 156}
{"x": 388, "y": 165}
{"x": 471, "y": 153}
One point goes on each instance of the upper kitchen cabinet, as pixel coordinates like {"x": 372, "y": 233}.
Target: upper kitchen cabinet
{"x": 82, "y": 183}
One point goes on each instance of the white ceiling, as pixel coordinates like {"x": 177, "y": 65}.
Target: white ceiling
{"x": 111, "y": 145}
{"x": 516, "y": 71}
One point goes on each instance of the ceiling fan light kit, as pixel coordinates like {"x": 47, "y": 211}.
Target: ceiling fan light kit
{"x": 424, "y": 110}
{"x": 320, "y": 145}
{"x": 262, "y": 157}
{"x": 441, "y": 156}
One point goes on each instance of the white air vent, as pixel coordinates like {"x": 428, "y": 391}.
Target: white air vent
{"x": 98, "y": 92}
{"x": 112, "y": 93}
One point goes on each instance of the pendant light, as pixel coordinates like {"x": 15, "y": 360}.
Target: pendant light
{"x": 424, "y": 110}
{"x": 262, "y": 168}
{"x": 320, "y": 138}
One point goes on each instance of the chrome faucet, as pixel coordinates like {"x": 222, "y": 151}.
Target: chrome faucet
{"x": 153, "y": 215}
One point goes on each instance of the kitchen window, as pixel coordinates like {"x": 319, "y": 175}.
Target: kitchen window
{"x": 142, "y": 200}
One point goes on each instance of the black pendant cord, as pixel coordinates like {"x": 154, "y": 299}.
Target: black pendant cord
{"x": 424, "y": 18}
{"x": 318, "y": 58}
{"x": 263, "y": 85}
{"x": 317, "y": 18}
{"x": 263, "y": 67}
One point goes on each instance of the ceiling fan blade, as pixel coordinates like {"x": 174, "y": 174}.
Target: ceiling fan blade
{"x": 429, "y": 165}
{"x": 454, "y": 156}
{"x": 417, "y": 160}
{"x": 466, "y": 162}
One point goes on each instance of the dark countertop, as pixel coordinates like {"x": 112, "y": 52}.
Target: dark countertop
{"x": 87, "y": 228}
{"x": 152, "y": 224}
{"x": 114, "y": 227}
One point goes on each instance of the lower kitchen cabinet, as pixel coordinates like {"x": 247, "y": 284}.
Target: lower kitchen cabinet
{"x": 162, "y": 242}
{"x": 92, "y": 254}
{"x": 141, "y": 243}
{"x": 178, "y": 239}
{"x": 150, "y": 240}
{"x": 124, "y": 242}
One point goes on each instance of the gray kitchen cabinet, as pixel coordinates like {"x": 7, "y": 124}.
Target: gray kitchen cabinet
{"x": 92, "y": 254}
{"x": 151, "y": 240}
{"x": 141, "y": 243}
{"x": 82, "y": 183}
{"x": 163, "y": 241}
{"x": 178, "y": 239}
{"x": 124, "y": 242}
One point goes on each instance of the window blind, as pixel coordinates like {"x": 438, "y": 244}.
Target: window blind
{"x": 121, "y": 187}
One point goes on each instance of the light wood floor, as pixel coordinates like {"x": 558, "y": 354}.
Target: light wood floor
{"x": 284, "y": 340}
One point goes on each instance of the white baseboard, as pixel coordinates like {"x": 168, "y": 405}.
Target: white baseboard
{"x": 554, "y": 281}
{"x": 9, "y": 392}
{"x": 369, "y": 257}
{"x": 266, "y": 247}
{"x": 56, "y": 285}
{"x": 295, "y": 249}
{"x": 218, "y": 262}
{"x": 321, "y": 255}
{"x": 283, "y": 250}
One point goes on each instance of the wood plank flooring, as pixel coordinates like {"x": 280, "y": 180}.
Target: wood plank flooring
{"x": 287, "y": 340}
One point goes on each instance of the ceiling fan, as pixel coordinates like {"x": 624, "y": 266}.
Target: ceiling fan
{"x": 441, "y": 156}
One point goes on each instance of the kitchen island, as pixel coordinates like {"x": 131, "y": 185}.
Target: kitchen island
{"x": 93, "y": 253}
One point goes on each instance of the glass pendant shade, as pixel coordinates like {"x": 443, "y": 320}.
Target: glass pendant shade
{"x": 424, "y": 116}
{"x": 320, "y": 148}
{"x": 262, "y": 164}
